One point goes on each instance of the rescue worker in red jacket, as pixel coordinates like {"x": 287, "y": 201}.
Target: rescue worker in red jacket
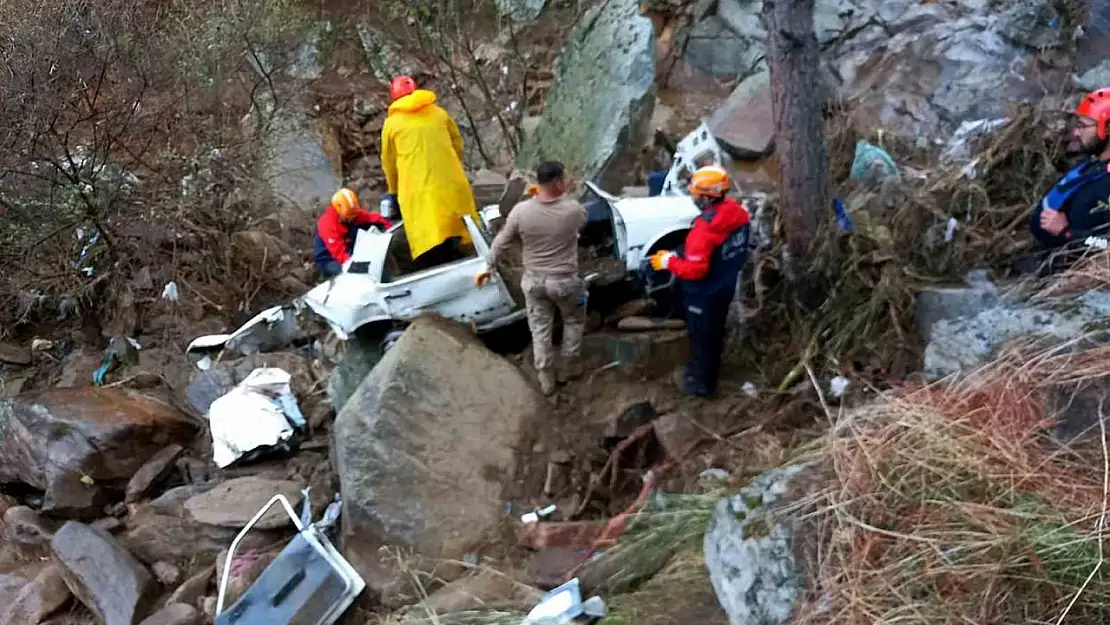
{"x": 708, "y": 269}
{"x": 337, "y": 229}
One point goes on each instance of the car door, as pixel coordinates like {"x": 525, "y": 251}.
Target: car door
{"x": 449, "y": 290}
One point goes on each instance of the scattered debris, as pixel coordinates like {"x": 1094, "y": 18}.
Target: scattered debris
{"x": 564, "y": 605}
{"x": 872, "y": 163}
{"x": 308, "y": 583}
{"x": 261, "y": 412}
{"x": 269, "y": 330}
{"x": 838, "y": 385}
{"x": 169, "y": 291}
{"x": 536, "y": 515}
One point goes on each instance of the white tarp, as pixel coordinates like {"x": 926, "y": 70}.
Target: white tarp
{"x": 260, "y": 412}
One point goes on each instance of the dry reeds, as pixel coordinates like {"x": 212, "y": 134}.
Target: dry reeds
{"x": 951, "y": 504}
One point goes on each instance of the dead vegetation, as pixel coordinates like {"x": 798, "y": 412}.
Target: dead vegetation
{"x": 862, "y": 326}
{"x": 951, "y": 504}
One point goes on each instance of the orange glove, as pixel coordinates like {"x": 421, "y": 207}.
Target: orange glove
{"x": 482, "y": 278}
{"x": 661, "y": 259}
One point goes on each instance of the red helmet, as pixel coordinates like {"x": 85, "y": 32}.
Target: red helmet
{"x": 1096, "y": 105}
{"x": 401, "y": 87}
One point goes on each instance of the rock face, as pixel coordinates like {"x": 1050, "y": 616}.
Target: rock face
{"x": 916, "y": 68}
{"x": 425, "y": 445}
{"x": 598, "y": 113}
{"x": 103, "y": 575}
{"x": 751, "y": 557}
{"x": 950, "y": 302}
{"x": 78, "y": 444}
{"x": 965, "y": 342}
{"x": 521, "y": 10}
{"x": 174, "y": 614}
{"x": 297, "y": 166}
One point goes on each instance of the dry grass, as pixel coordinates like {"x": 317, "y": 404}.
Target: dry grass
{"x": 951, "y": 505}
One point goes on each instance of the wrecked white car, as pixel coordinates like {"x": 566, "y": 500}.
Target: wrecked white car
{"x": 379, "y": 291}
{"x": 377, "y": 286}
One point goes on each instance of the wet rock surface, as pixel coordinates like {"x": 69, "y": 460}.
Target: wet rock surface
{"x": 103, "y": 575}
{"x": 79, "y": 445}
{"x": 426, "y": 439}
{"x": 597, "y": 116}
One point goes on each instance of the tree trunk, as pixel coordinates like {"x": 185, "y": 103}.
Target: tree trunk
{"x": 797, "y": 97}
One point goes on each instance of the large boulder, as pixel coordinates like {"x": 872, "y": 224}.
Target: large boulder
{"x": 917, "y": 68}
{"x": 521, "y": 10}
{"x": 753, "y": 553}
{"x": 81, "y": 445}
{"x": 746, "y": 122}
{"x": 103, "y": 575}
{"x": 425, "y": 445}
{"x": 598, "y": 112}
{"x": 966, "y": 342}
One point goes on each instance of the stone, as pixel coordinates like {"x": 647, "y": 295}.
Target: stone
{"x": 746, "y": 121}
{"x": 103, "y": 575}
{"x": 647, "y": 353}
{"x": 965, "y": 343}
{"x": 38, "y": 599}
{"x": 14, "y": 354}
{"x": 485, "y": 589}
{"x": 425, "y": 446}
{"x": 27, "y": 528}
{"x": 152, "y": 472}
{"x": 751, "y": 554}
{"x": 521, "y": 10}
{"x": 166, "y": 573}
{"x": 488, "y": 186}
{"x": 295, "y": 163}
{"x": 632, "y": 308}
{"x": 80, "y": 445}
{"x": 598, "y": 113}
{"x": 678, "y": 435}
{"x": 174, "y": 614}
{"x": 234, "y": 502}
{"x": 951, "y": 302}
{"x": 361, "y": 356}
{"x": 161, "y": 531}
{"x": 193, "y": 589}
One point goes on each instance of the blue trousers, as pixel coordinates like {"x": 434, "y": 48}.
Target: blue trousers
{"x": 706, "y": 316}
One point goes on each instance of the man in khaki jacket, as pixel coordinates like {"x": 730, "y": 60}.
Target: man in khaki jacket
{"x": 547, "y": 226}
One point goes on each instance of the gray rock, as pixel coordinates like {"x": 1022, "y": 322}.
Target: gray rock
{"x": 155, "y": 469}
{"x": 746, "y": 121}
{"x": 38, "y": 599}
{"x": 598, "y": 113}
{"x": 751, "y": 555}
{"x": 362, "y": 354}
{"x": 103, "y": 575}
{"x": 234, "y": 502}
{"x": 28, "y": 529}
{"x": 425, "y": 446}
{"x": 299, "y": 171}
{"x": 162, "y": 531}
{"x": 80, "y": 445}
{"x": 964, "y": 343}
{"x": 174, "y": 614}
{"x": 521, "y": 10}
{"x": 950, "y": 302}
{"x": 193, "y": 589}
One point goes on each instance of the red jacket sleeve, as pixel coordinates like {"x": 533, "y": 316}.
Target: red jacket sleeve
{"x": 365, "y": 218}
{"x": 703, "y": 240}
{"x": 700, "y": 243}
{"x": 334, "y": 234}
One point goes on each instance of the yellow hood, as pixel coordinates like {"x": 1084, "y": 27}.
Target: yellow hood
{"x": 413, "y": 102}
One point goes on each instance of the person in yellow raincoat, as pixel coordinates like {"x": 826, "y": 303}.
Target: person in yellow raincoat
{"x": 422, "y": 151}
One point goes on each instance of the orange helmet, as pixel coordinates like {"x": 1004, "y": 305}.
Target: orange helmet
{"x": 711, "y": 181}
{"x": 345, "y": 203}
{"x": 401, "y": 87}
{"x": 1096, "y": 105}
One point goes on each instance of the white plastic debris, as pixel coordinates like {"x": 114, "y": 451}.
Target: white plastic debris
{"x": 750, "y": 389}
{"x": 958, "y": 148}
{"x": 204, "y": 364}
{"x": 950, "y": 229}
{"x": 838, "y": 385}
{"x": 564, "y": 604}
{"x": 260, "y": 412}
{"x": 535, "y": 516}
{"x": 713, "y": 474}
{"x": 170, "y": 291}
